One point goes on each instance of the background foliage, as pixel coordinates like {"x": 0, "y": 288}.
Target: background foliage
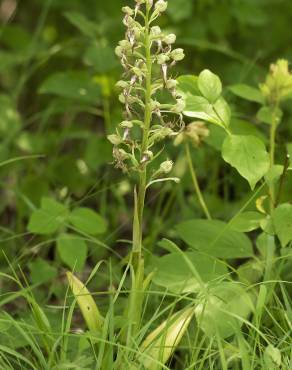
{"x": 58, "y": 102}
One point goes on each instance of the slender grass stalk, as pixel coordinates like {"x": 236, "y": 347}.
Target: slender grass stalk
{"x": 196, "y": 183}
{"x": 273, "y": 130}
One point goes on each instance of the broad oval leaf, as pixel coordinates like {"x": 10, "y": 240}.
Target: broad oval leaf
{"x": 247, "y": 92}
{"x": 77, "y": 85}
{"x": 188, "y": 84}
{"x": 222, "y": 311}
{"x": 248, "y": 155}
{"x": 282, "y": 220}
{"x": 87, "y": 221}
{"x": 210, "y": 85}
{"x": 199, "y": 107}
{"x": 247, "y": 221}
{"x": 48, "y": 218}
{"x": 72, "y": 251}
{"x": 185, "y": 272}
{"x": 215, "y": 238}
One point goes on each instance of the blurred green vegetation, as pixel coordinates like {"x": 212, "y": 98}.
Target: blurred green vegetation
{"x": 58, "y": 99}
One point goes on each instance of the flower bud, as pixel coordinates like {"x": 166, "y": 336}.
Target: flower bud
{"x": 126, "y": 124}
{"x": 122, "y": 98}
{"x": 171, "y": 84}
{"x": 122, "y": 154}
{"x": 166, "y": 167}
{"x": 122, "y": 84}
{"x": 114, "y": 139}
{"x": 154, "y": 105}
{"x": 177, "y": 54}
{"x": 162, "y": 59}
{"x": 170, "y": 39}
{"x": 161, "y": 6}
{"x": 119, "y": 51}
{"x": 147, "y": 156}
{"x": 137, "y": 71}
{"x": 125, "y": 44}
{"x": 155, "y": 31}
{"x": 179, "y": 106}
{"x": 128, "y": 10}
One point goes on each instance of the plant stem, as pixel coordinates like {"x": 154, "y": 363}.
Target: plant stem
{"x": 196, "y": 183}
{"x": 272, "y": 153}
{"x": 136, "y": 298}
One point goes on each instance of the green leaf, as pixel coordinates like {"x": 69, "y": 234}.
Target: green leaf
{"x": 247, "y": 92}
{"x": 174, "y": 271}
{"x": 188, "y": 84}
{"x": 180, "y": 9}
{"x": 41, "y": 271}
{"x": 199, "y": 107}
{"x": 215, "y": 238}
{"x": 248, "y": 155}
{"x": 9, "y": 117}
{"x": 274, "y": 174}
{"x": 222, "y": 111}
{"x": 265, "y": 114}
{"x": 72, "y": 85}
{"x": 241, "y": 127}
{"x": 87, "y": 221}
{"x": 210, "y": 85}
{"x": 222, "y": 310}
{"x": 48, "y": 218}
{"x": 87, "y": 27}
{"x": 247, "y": 221}
{"x": 272, "y": 357}
{"x": 101, "y": 58}
{"x": 282, "y": 220}
{"x": 72, "y": 251}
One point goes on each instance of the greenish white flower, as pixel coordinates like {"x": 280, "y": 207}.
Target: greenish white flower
{"x": 161, "y": 6}
{"x": 122, "y": 84}
{"x": 166, "y": 167}
{"x": 171, "y": 84}
{"x": 126, "y": 124}
{"x": 155, "y": 31}
{"x": 128, "y": 10}
{"x": 177, "y": 54}
{"x": 170, "y": 39}
{"x": 162, "y": 59}
{"x": 114, "y": 139}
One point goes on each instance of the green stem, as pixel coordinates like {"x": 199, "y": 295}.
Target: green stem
{"x": 136, "y": 296}
{"x": 273, "y": 130}
{"x": 196, "y": 183}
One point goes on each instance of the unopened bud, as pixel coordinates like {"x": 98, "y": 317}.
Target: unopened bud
{"x": 166, "y": 167}
{"x": 170, "y": 39}
{"x": 161, "y": 6}
{"x": 147, "y": 156}
{"x": 154, "y": 105}
{"x": 171, "y": 84}
{"x": 126, "y": 124}
{"x": 122, "y": 98}
{"x": 128, "y": 10}
{"x": 177, "y": 54}
{"x": 122, "y": 84}
{"x": 155, "y": 31}
{"x": 114, "y": 139}
{"x": 119, "y": 51}
{"x": 162, "y": 59}
{"x": 179, "y": 106}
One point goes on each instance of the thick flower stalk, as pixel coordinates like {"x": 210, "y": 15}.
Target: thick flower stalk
{"x": 147, "y": 56}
